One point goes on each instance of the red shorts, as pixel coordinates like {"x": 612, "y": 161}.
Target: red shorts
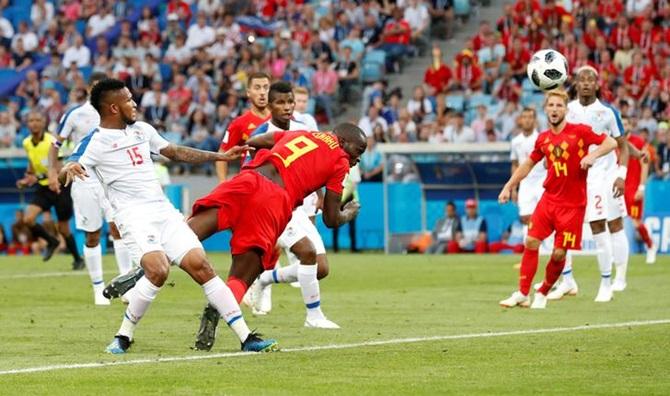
{"x": 634, "y": 207}
{"x": 567, "y": 222}
{"x": 254, "y": 208}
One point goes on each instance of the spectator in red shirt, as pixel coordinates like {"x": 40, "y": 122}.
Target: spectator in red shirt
{"x": 395, "y": 38}
{"x": 636, "y": 76}
{"x": 480, "y": 37}
{"x": 180, "y": 93}
{"x": 508, "y": 89}
{"x": 182, "y": 10}
{"x": 552, "y": 14}
{"x": 610, "y": 10}
{"x": 438, "y": 75}
{"x": 324, "y": 83}
{"x": 621, "y": 31}
{"x": 468, "y": 73}
{"x": 591, "y": 34}
{"x": 527, "y": 7}
{"x": 517, "y": 58}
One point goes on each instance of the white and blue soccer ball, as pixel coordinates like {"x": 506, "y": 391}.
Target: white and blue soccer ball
{"x": 547, "y": 69}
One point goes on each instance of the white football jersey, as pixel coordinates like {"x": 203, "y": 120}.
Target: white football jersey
{"x": 75, "y": 124}
{"x": 121, "y": 160}
{"x": 78, "y": 122}
{"x": 522, "y": 146}
{"x": 306, "y": 119}
{"x": 602, "y": 118}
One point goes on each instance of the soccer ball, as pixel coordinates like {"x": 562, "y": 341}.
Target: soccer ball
{"x": 547, "y": 69}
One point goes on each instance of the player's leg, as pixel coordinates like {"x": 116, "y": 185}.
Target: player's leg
{"x": 635, "y": 211}
{"x": 88, "y": 218}
{"x": 64, "y": 212}
{"x": 540, "y": 227}
{"x": 205, "y": 223}
{"x": 219, "y": 296}
{"x": 244, "y": 269}
{"x": 156, "y": 269}
{"x": 93, "y": 259}
{"x": 621, "y": 252}
{"x": 551, "y": 275}
{"x": 124, "y": 261}
{"x": 604, "y": 245}
{"x": 40, "y": 204}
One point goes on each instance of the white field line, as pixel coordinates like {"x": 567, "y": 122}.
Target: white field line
{"x": 44, "y": 275}
{"x": 70, "y": 366}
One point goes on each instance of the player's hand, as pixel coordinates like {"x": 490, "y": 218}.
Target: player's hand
{"x": 234, "y": 153}
{"x": 504, "y": 195}
{"x": 352, "y": 208}
{"x": 587, "y": 161}
{"x": 54, "y": 184}
{"x": 644, "y": 156}
{"x": 26, "y": 181}
{"x": 618, "y": 187}
{"x": 639, "y": 196}
{"x": 71, "y": 171}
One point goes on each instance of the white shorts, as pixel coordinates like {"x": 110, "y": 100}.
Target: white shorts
{"x": 156, "y": 227}
{"x": 91, "y": 206}
{"x": 600, "y": 201}
{"x": 529, "y": 196}
{"x": 298, "y": 228}
{"x": 309, "y": 204}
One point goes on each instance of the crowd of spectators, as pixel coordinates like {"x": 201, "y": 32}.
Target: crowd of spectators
{"x": 478, "y": 96}
{"x": 186, "y": 62}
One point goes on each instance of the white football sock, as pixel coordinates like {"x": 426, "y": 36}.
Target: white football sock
{"x": 309, "y": 286}
{"x": 123, "y": 259}
{"x": 93, "y": 260}
{"x": 280, "y": 275}
{"x": 220, "y": 296}
{"x": 145, "y": 293}
{"x": 604, "y": 244}
{"x": 567, "y": 269}
{"x": 620, "y": 252}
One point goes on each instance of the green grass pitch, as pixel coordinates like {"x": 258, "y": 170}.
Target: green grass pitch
{"x": 49, "y": 320}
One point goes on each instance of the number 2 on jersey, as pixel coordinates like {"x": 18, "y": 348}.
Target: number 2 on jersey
{"x": 135, "y": 156}
{"x": 299, "y": 147}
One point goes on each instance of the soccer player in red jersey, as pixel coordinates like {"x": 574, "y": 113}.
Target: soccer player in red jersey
{"x": 239, "y": 130}
{"x": 565, "y": 148}
{"x": 256, "y": 204}
{"x": 636, "y": 178}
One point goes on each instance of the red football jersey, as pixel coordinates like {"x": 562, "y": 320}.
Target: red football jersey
{"x": 634, "y": 167}
{"x": 306, "y": 162}
{"x": 565, "y": 184}
{"x": 240, "y": 128}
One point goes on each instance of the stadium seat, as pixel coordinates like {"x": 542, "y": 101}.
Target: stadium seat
{"x": 86, "y": 72}
{"x": 166, "y": 72}
{"x": 479, "y": 99}
{"x": 527, "y": 87}
{"x": 455, "y": 102}
{"x": 462, "y": 8}
{"x": 80, "y": 25}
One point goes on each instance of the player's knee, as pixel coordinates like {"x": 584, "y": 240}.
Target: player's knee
{"x": 114, "y": 231}
{"x": 157, "y": 274}
{"x": 532, "y": 243}
{"x": 615, "y": 225}
{"x": 305, "y": 251}
{"x": 598, "y": 227}
{"x": 64, "y": 228}
{"x": 558, "y": 255}
{"x": 323, "y": 267}
{"x": 92, "y": 239}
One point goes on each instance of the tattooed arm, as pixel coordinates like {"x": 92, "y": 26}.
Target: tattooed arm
{"x": 194, "y": 156}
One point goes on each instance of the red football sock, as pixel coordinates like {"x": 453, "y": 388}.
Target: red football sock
{"x": 528, "y": 268}
{"x": 553, "y": 271}
{"x": 238, "y": 287}
{"x": 644, "y": 234}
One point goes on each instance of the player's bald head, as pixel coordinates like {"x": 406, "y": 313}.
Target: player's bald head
{"x": 352, "y": 139}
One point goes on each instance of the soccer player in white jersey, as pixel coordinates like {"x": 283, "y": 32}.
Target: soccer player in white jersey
{"x": 605, "y": 206}
{"x": 300, "y": 239}
{"x": 300, "y": 113}
{"x": 530, "y": 189}
{"x": 118, "y": 153}
{"x": 91, "y": 207}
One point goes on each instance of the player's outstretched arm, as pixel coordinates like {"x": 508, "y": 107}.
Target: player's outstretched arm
{"x": 54, "y": 165}
{"x": 603, "y": 148}
{"x": 194, "y": 156}
{"x": 70, "y": 171}
{"x": 262, "y": 141}
{"x": 221, "y": 168}
{"x": 333, "y": 216}
{"x": 519, "y": 174}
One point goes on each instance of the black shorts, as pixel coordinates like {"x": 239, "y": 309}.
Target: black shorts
{"x": 46, "y": 199}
